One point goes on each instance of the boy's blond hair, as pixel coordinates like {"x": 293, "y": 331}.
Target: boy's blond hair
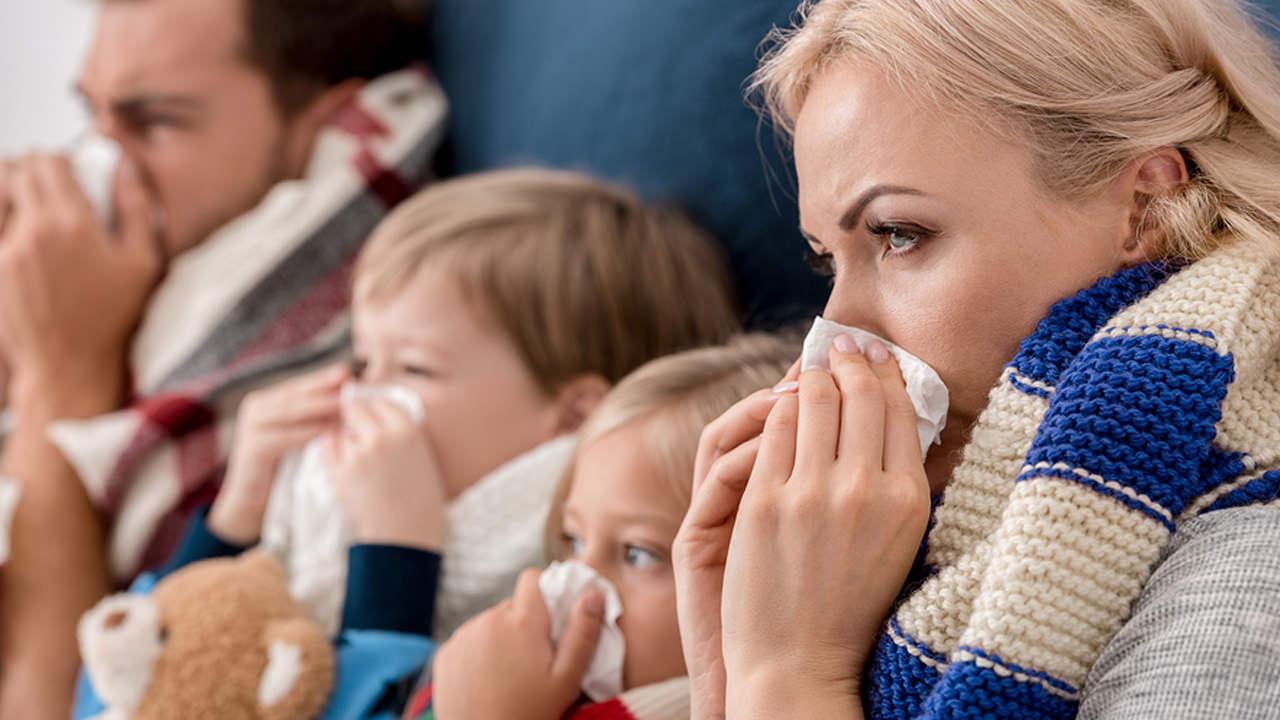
{"x": 676, "y": 397}
{"x": 583, "y": 277}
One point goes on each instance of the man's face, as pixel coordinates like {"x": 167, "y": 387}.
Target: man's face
{"x": 167, "y": 80}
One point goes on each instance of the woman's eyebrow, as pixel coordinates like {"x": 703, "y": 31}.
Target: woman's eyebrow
{"x": 850, "y": 218}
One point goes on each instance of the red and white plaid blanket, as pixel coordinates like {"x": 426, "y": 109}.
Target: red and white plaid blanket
{"x": 265, "y": 297}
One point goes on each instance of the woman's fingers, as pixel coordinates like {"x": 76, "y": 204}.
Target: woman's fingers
{"x": 861, "y": 443}
{"x": 818, "y": 426}
{"x": 740, "y": 423}
{"x": 716, "y": 501}
{"x": 901, "y": 436}
{"x": 777, "y": 454}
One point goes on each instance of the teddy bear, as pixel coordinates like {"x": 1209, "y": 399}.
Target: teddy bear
{"x": 217, "y": 639}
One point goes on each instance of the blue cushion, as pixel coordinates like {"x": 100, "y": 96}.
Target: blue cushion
{"x": 645, "y": 93}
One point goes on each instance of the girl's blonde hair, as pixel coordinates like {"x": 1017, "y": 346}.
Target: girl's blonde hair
{"x": 1091, "y": 84}
{"x": 676, "y": 397}
{"x": 583, "y": 277}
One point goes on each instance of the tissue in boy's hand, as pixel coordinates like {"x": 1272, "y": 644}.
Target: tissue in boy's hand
{"x": 561, "y": 584}
{"x": 398, "y": 395}
{"x": 927, "y": 392}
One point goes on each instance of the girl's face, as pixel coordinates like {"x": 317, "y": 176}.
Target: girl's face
{"x": 939, "y": 234}
{"x": 621, "y": 517}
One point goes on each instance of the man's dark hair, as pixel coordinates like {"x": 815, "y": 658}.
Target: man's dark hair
{"x": 307, "y": 46}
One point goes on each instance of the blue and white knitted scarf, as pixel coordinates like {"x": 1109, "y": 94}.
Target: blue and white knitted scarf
{"x": 1142, "y": 402}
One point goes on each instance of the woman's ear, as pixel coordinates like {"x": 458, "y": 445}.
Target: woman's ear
{"x": 1156, "y": 174}
{"x": 576, "y": 399}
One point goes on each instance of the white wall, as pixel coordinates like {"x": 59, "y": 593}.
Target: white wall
{"x": 41, "y": 45}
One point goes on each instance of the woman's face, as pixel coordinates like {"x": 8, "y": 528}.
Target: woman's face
{"x": 940, "y": 234}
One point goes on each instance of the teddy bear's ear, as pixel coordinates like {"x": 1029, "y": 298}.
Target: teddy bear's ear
{"x": 299, "y": 674}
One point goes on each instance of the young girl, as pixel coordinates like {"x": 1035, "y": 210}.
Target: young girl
{"x": 617, "y": 512}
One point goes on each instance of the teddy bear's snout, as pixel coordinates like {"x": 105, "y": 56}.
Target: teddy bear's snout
{"x": 115, "y": 619}
{"x": 120, "y": 640}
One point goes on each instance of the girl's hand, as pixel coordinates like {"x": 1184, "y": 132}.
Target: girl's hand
{"x": 502, "y": 664}
{"x": 272, "y": 423}
{"x": 386, "y": 476}
{"x": 826, "y": 533}
{"x": 726, "y": 453}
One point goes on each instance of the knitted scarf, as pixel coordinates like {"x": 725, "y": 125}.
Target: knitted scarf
{"x": 263, "y": 297}
{"x": 667, "y": 700}
{"x": 1136, "y": 405}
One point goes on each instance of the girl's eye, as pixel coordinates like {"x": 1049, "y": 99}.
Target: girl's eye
{"x": 573, "y": 546}
{"x": 641, "y": 558}
{"x": 823, "y": 264}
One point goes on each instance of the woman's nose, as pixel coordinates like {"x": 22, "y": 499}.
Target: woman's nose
{"x": 855, "y": 305}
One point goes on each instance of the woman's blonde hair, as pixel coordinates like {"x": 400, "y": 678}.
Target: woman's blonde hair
{"x": 676, "y": 397}
{"x": 1091, "y": 84}
{"x": 583, "y": 277}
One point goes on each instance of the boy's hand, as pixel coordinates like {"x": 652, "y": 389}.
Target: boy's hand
{"x": 502, "y": 663}
{"x": 272, "y": 423}
{"x": 387, "y": 477}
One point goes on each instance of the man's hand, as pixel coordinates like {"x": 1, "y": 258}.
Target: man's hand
{"x": 72, "y": 292}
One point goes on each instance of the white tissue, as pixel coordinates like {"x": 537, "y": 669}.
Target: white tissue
{"x": 304, "y": 526}
{"x": 927, "y": 392}
{"x": 398, "y": 395}
{"x": 561, "y": 584}
{"x": 94, "y": 161}
{"x": 10, "y": 494}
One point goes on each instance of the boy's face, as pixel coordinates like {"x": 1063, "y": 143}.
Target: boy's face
{"x": 621, "y": 518}
{"x": 482, "y": 405}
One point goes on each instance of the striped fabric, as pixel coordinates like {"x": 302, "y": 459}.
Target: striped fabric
{"x": 264, "y": 297}
{"x": 1139, "y": 404}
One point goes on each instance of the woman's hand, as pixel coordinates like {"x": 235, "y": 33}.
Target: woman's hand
{"x": 726, "y": 454}
{"x": 387, "y": 477}
{"x": 502, "y": 663}
{"x": 825, "y": 535}
{"x": 272, "y": 423}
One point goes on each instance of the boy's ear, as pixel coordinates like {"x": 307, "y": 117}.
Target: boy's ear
{"x": 576, "y": 399}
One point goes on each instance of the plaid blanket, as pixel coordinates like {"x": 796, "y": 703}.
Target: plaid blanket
{"x": 264, "y": 297}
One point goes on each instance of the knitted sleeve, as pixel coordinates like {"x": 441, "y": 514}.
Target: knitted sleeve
{"x": 1204, "y": 638}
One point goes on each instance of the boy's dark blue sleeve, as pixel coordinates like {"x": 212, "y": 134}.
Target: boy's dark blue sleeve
{"x": 199, "y": 542}
{"x": 391, "y": 589}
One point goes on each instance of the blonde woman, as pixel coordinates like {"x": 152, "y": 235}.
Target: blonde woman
{"x": 1070, "y": 209}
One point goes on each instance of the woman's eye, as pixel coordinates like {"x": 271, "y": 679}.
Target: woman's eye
{"x": 898, "y": 239}
{"x": 639, "y": 557}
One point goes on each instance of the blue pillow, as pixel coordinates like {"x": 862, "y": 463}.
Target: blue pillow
{"x": 649, "y": 94}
